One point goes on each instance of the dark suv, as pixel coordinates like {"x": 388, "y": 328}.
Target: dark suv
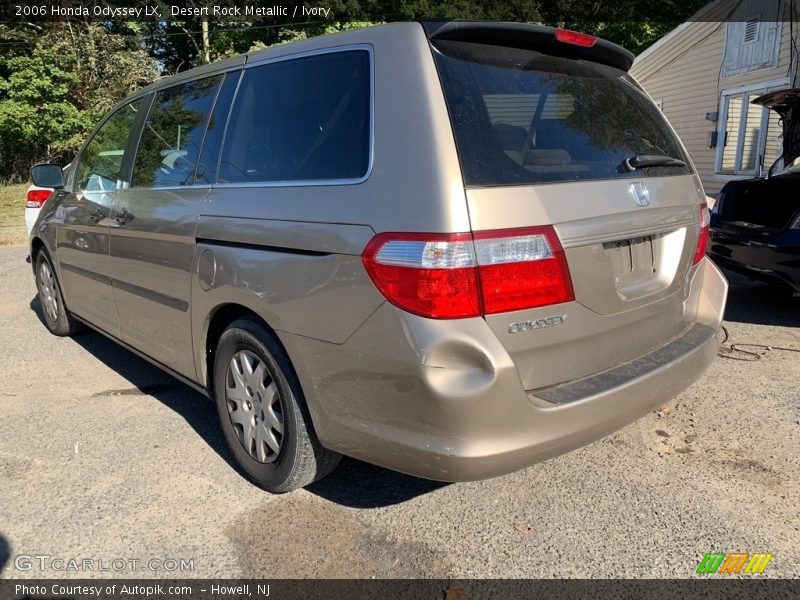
{"x": 755, "y": 224}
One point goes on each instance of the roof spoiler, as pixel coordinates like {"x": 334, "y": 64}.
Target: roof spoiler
{"x": 549, "y": 40}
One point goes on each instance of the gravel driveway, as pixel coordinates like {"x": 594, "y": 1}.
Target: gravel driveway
{"x": 103, "y": 458}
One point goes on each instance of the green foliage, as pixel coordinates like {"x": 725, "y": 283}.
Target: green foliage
{"x": 52, "y": 96}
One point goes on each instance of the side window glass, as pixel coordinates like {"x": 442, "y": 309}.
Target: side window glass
{"x": 209, "y": 157}
{"x": 172, "y": 135}
{"x": 100, "y": 165}
{"x": 302, "y": 119}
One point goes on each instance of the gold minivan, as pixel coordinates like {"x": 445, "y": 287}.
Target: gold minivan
{"x": 452, "y": 249}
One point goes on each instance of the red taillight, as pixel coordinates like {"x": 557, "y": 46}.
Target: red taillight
{"x": 521, "y": 268}
{"x": 432, "y": 275}
{"x": 449, "y": 276}
{"x": 702, "y": 238}
{"x": 36, "y": 198}
{"x": 575, "y": 38}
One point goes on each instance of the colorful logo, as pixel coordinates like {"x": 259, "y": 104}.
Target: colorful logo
{"x": 734, "y": 562}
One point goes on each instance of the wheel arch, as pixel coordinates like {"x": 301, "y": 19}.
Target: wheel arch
{"x": 36, "y": 246}
{"x": 315, "y": 460}
{"x": 218, "y": 320}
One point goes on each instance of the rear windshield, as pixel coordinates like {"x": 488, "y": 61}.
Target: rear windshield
{"x": 520, "y": 117}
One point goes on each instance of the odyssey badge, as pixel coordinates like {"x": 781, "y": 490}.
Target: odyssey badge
{"x": 537, "y": 324}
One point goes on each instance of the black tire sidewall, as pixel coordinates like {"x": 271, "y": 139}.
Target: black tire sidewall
{"x": 275, "y": 475}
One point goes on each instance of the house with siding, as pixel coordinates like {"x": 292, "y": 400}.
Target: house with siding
{"x": 704, "y": 74}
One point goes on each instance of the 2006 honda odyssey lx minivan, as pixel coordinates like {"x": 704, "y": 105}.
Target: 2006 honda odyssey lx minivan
{"x": 452, "y": 249}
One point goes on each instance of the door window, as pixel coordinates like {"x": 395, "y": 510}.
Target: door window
{"x": 304, "y": 119}
{"x": 209, "y": 157}
{"x": 173, "y": 133}
{"x": 100, "y": 165}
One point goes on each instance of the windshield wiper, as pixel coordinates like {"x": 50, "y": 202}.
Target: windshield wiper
{"x": 645, "y": 161}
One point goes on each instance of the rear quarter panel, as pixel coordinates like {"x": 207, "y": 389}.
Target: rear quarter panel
{"x": 301, "y": 278}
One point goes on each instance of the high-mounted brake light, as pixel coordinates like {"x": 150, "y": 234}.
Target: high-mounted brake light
{"x": 449, "y": 276}
{"x": 575, "y": 38}
{"x": 702, "y": 237}
{"x": 37, "y": 198}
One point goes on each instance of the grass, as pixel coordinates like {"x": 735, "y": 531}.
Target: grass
{"x": 12, "y": 204}
{"x": 12, "y": 214}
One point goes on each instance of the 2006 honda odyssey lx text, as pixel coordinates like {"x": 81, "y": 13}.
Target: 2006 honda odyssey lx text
{"x": 452, "y": 249}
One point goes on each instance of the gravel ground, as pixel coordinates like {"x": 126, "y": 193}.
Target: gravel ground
{"x": 103, "y": 457}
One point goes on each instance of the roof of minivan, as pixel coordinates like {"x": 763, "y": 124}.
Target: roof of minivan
{"x": 518, "y": 34}
{"x": 210, "y": 68}
{"x": 331, "y": 40}
{"x": 341, "y": 38}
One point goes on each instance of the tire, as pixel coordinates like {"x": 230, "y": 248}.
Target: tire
{"x": 56, "y": 316}
{"x": 263, "y": 413}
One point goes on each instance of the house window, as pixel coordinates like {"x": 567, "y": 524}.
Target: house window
{"x": 750, "y": 135}
{"x": 752, "y": 37}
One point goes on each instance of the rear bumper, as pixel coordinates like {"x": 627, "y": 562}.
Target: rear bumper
{"x": 30, "y": 218}
{"x": 775, "y": 259}
{"x": 446, "y": 402}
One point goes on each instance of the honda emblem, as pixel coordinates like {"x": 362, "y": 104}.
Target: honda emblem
{"x": 640, "y": 193}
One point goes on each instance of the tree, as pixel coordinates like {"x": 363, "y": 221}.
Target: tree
{"x": 52, "y": 96}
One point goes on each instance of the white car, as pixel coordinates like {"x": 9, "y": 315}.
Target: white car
{"x": 33, "y": 204}
{"x": 36, "y": 197}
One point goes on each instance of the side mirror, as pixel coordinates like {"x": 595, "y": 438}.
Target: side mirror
{"x": 47, "y": 175}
